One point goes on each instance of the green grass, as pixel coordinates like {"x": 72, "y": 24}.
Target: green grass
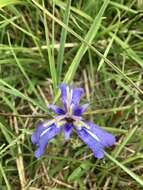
{"x": 93, "y": 44}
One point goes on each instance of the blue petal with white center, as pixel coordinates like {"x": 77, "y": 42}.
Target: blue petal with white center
{"x": 67, "y": 118}
{"x": 96, "y": 138}
{"x": 42, "y": 135}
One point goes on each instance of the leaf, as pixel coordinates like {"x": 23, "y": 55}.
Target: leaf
{"x": 4, "y": 3}
{"x": 88, "y": 38}
{"x": 127, "y": 170}
{"x": 79, "y": 171}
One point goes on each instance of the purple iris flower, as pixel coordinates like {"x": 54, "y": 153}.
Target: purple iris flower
{"x": 69, "y": 118}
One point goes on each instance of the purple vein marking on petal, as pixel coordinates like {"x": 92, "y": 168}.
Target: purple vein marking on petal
{"x": 56, "y": 109}
{"x": 78, "y": 110}
{"x": 67, "y": 130}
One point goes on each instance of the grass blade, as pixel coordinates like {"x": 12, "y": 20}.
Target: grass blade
{"x": 4, "y": 3}
{"x": 60, "y": 57}
{"x": 127, "y": 170}
{"x": 5, "y": 178}
{"x": 17, "y": 93}
{"x": 88, "y": 38}
{"x": 50, "y": 56}
{"x": 114, "y": 67}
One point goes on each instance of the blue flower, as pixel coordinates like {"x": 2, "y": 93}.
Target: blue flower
{"x": 68, "y": 118}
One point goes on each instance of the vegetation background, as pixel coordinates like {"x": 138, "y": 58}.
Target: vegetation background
{"x": 96, "y": 44}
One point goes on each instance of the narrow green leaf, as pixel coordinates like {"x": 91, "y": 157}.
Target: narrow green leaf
{"x": 4, "y": 3}
{"x": 79, "y": 171}
{"x": 123, "y": 7}
{"x": 127, "y": 170}
{"x": 5, "y": 177}
{"x": 62, "y": 5}
{"x": 23, "y": 71}
{"x": 91, "y": 47}
{"x": 18, "y": 27}
{"x": 50, "y": 56}
{"x": 106, "y": 51}
{"x": 15, "y": 92}
{"x": 88, "y": 38}
{"x": 130, "y": 52}
{"x": 60, "y": 57}
{"x": 125, "y": 141}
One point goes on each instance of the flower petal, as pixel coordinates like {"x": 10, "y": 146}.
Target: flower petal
{"x": 42, "y": 135}
{"x": 57, "y": 109}
{"x": 78, "y": 111}
{"x": 106, "y": 138}
{"x": 92, "y": 143}
{"x": 67, "y": 130}
{"x": 63, "y": 88}
{"x": 36, "y": 134}
{"x": 39, "y": 151}
{"x": 96, "y": 138}
{"x": 76, "y": 94}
